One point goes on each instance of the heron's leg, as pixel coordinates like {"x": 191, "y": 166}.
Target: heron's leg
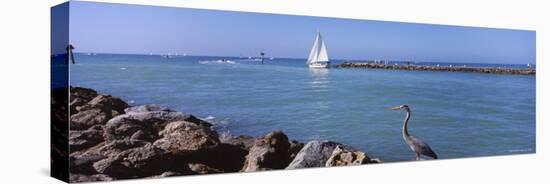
{"x": 417, "y": 156}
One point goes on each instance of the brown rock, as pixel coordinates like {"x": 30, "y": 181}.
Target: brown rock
{"x": 97, "y": 112}
{"x": 243, "y": 141}
{"x": 108, "y": 149}
{"x": 342, "y": 157}
{"x": 88, "y": 118}
{"x": 136, "y": 163}
{"x": 83, "y": 164}
{"x": 268, "y": 152}
{"x": 182, "y": 137}
{"x": 79, "y": 140}
{"x": 79, "y": 97}
{"x": 150, "y": 123}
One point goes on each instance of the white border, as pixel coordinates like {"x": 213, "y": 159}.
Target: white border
{"x": 25, "y": 90}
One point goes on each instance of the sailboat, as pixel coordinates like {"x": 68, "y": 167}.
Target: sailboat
{"x": 318, "y": 57}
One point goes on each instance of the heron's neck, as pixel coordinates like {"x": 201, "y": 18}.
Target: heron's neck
{"x": 406, "y": 123}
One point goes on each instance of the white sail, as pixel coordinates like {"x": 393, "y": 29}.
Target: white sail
{"x": 323, "y": 55}
{"x": 318, "y": 52}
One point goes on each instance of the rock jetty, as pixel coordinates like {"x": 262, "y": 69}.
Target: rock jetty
{"x": 109, "y": 140}
{"x": 449, "y": 68}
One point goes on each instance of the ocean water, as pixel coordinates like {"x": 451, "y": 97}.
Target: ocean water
{"x": 457, "y": 114}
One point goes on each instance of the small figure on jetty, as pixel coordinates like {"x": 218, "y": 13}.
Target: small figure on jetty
{"x": 70, "y": 56}
{"x": 262, "y": 56}
{"x": 417, "y": 145}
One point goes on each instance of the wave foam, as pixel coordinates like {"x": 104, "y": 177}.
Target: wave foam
{"x": 217, "y": 62}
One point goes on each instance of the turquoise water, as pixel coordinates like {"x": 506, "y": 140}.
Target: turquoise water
{"x": 457, "y": 114}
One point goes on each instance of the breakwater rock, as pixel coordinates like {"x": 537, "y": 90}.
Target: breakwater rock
{"x": 449, "y": 68}
{"x": 110, "y": 140}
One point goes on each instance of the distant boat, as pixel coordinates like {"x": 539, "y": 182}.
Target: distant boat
{"x": 318, "y": 57}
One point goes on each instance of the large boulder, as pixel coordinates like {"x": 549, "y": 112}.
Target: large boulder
{"x": 107, "y": 103}
{"x": 81, "y": 162}
{"x": 136, "y": 163}
{"x": 182, "y": 138}
{"x": 268, "y": 152}
{"x": 316, "y": 154}
{"x": 150, "y": 123}
{"x": 88, "y": 118}
{"x": 96, "y": 112}
{"x": 79, "y": 140}
{"x": 341, "y": 157}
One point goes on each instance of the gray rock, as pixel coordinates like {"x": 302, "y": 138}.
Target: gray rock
{"x": 243, "y": 141}
{"x": 107, "y": 103}
{"x": 147, "y": 108}
{"x": 108, "y": 149}
{"x": 268, "y": 152}
{"x": 182, "y": 137}
{"x": 135, "y": 163}
{"x": 79, "y": 140}
{"x": 84, "y": 164}
{"x": 88, "y": 118}
{"x": 96, "y": 112}
{"x": 124, "y": 126}
{"x": 316, "y": 154}
{"x": 116, "y": 147}
{"x": 80, "y": 96}
{"x": 141, "y": 135}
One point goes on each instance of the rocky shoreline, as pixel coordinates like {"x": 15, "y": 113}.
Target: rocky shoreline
{"x": 110, "y": 140}
{"x": 450, "y": 68}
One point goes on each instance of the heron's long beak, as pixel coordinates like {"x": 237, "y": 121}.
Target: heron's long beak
{"x": 396, "y": 108}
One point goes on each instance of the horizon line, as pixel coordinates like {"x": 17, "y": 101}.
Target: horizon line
{"x": 337, "y": 59}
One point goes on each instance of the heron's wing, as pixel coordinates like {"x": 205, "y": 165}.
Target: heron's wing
{"x": 422, "y": 147}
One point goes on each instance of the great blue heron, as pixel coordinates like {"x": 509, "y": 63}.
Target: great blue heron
{"x": 417, "y": 145}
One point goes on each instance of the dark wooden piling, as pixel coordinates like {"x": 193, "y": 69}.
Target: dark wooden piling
{"x": 449, "y": 68}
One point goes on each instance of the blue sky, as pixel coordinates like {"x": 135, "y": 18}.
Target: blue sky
{"x": 117, "y": 28}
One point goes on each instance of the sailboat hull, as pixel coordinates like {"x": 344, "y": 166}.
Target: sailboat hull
{"x": 319, "y": 65}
